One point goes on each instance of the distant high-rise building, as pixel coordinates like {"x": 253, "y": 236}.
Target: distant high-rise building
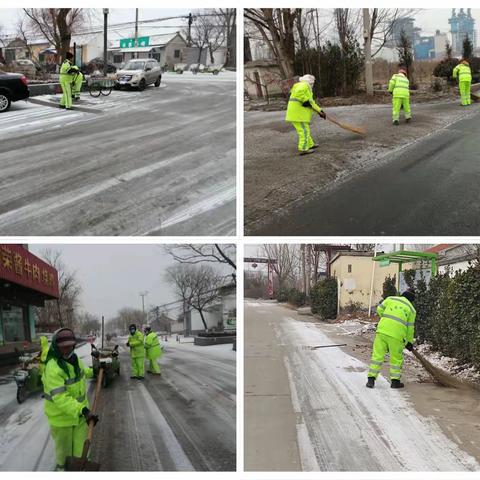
{"x": 440, "y": 43}
{"x": 462, "y": 25}
{"x": 406, "y": 24}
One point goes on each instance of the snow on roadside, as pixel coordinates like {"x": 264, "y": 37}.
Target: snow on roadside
{"x": 449, "y": 364}
{"x": 351, "y": 427}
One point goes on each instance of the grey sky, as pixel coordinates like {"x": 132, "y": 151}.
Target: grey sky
{"x": 9, "y": 17}
{"x": 112, "y": 276}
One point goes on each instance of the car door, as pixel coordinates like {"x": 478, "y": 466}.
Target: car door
{"x": 149, "y": 72}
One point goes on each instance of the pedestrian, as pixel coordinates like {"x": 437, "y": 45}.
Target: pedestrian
{"x": 300, "y": 108}
{"x": 77, "y": 82}
{"x": 395, "y": 331}
{"x": 464, "y": 74}
{"x": 66, "y": 79}
{"x": 153, "y": 350}
{"x": 137, "y": 352}
{"x": 399, "y": 87}
{"x": 65, "y": 392}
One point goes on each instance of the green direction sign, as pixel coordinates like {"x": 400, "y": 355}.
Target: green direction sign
{"x": 384, "y": 263}
{"x": 130, "y": 42}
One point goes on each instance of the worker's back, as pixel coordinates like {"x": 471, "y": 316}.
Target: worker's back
{"x": 397, "y": 318}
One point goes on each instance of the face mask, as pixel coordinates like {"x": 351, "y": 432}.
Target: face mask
{"x": 132, "y": 331}
{"x": 67, "y": 357}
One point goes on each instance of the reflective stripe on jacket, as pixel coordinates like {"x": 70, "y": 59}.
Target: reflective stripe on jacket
{"x": 137, "y": 348}
{"x": 397, "y": 318}
{"x": 463, "y": 73}
{"x": 299, "y": 94}
{"x": 399, "y": 85}
{"x": 65, "y": 395}
{"x": 152, "y": 346}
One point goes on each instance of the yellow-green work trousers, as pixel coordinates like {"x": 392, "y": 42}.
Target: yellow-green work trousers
{"x": 382, "y": 345}
{"x": 68, "y": 442}
{"x": 397, "y": 104}
{"x": 305, "y": 141}
{"x": 138, "y": 366}
{"x": 465, "y": 93}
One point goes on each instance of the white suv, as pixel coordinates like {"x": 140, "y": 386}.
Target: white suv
{"x": 139, "y": 73}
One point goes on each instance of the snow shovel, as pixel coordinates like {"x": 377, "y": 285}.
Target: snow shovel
{"x": 83, "y": 464}
{"x": 350, "y": 128}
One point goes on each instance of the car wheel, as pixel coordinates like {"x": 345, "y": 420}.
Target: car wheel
{"x": 159, "y": 79}
{"x": 5, "y": 102}
{"x": 142, "y": 84}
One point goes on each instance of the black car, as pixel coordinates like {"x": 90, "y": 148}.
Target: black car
{"x": 13, "y": 87}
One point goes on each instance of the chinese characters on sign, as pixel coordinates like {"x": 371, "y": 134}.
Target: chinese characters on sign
{"x": 20, "y": 266}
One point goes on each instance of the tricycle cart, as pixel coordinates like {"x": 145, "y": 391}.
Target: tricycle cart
{"x": 106, "y": 358}
{"x": 27, "y": 376}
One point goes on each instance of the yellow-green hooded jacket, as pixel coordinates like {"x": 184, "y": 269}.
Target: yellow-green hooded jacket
{"x": 301, "y": 93}
{"x": 397, "y": 319}
{"x": 137, "y": 348}
{"x": 152, "y": 346}
{"x": 399, "y": 85}
{"x": 65, "y": 389}
{"x": 462, "y": 72}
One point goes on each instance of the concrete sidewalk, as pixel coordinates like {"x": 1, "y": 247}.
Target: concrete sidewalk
{"x": 270, "y": 421}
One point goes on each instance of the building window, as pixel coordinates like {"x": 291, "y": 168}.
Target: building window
{"x": 13, "y": 323}
{"x": 117, "y": 58}
{"x": 349, "y": 269}
{"x": 176, "y": 54}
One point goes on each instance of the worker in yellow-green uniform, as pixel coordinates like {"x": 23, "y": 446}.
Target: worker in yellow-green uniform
{"x": 464, "y": 74}
{"x": 137, "y": 352}
{"x": 399, "y": 87}
{"x": 395, "y": 331}
{"x": 77, "y": 81}
{"x": 65, "y": 392}
{"x": 44, "y": 347}
{"x": 153, "y": 350}
{"x": 300, "y": 108}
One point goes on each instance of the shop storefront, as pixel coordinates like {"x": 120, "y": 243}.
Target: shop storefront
{"x": 26, "y": 282}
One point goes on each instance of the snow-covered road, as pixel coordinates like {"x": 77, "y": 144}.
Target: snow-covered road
{"x": 157, "y": 162}
{"x": 341, "y": 425}
{"x": 182, "y": 421}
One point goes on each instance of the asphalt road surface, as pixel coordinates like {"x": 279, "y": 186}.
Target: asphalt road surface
{"x": 184, "y": 420}
{"x": 339, "y": 424}
{"x": 157, "y": 162}
{"x": 429, "y": 187}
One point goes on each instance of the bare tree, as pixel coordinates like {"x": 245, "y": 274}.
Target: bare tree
{"x": 61, "y": 311}
{"x": 88, "y": 323}
{"x": 22, "y": 35}
{"x": 125, "y": 317}
{"x": 228, "y": 20}
{"x": 277, "y": 27}
{"x": 56, "y": 24}
{"x": 207, "y": 33}
{"x": 196, "y": 285}
{"x": 204, "y": 253}
{"x": 287, "y": 261}
{"x": 405, "y": 56}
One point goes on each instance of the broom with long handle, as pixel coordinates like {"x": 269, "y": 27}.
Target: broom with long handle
{"x": 345, "y": 126}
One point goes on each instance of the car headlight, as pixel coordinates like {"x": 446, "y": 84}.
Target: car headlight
{"x": 136, "y": 77}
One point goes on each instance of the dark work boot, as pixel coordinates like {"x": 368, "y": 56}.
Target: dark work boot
{"x": 395, "y": 122}
{"x": 370, "y": 382}
{"x": 397, "y": 384}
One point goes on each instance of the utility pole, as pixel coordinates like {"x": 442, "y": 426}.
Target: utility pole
{"x": 189, "y": 37}
{"x": 368, "y": 52}
{"x": 105, "y": 40}
{"x": 143, "y": 295}
{"x": 136, "y": 31}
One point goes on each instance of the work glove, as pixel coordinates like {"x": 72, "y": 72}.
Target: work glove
{"x": 89, "y": 416}
{"x": 409, "y": 346}
{"x": 323, "y": 114}
{"x": 95, "y": 353}
{"x": 306, "y": 104}
{"x": 127, "y": 344}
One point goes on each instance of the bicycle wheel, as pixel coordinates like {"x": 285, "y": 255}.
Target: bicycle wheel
{"x": 94, "y": 90}
{"x": 106, "y": 91}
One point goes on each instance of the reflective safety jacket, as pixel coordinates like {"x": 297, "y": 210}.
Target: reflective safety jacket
{"x": 43, "y": 353}
{"x": 65, "y": 395}
{"x": 397, "y": 319}
{"x": 152, "y": 346}
{"x": 399, "y": 85}
{"x": 137, "y": 348}
{"x": 462, "y": 72}
{"x": 65, "y": 69}
{"x": 301, "y": 94}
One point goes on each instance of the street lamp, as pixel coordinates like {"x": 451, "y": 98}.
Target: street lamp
{"x": 105, "y": 40}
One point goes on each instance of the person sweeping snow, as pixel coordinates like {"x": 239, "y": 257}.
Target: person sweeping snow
{"x": 301, "y": 106}
{"x": 395, "y": 331}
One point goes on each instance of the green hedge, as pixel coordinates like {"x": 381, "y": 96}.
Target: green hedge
{"x": 324, "y": 297}
{"x": 448, "y": 314}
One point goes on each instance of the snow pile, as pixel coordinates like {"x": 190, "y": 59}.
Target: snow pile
{"x": 449, "y": 364}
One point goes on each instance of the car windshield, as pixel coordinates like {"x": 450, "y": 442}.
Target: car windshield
{"x": 135, "y": 65}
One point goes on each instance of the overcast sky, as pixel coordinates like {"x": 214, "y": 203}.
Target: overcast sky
{"x": 113, "y": 276}
{"x": 9, "y": 17}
